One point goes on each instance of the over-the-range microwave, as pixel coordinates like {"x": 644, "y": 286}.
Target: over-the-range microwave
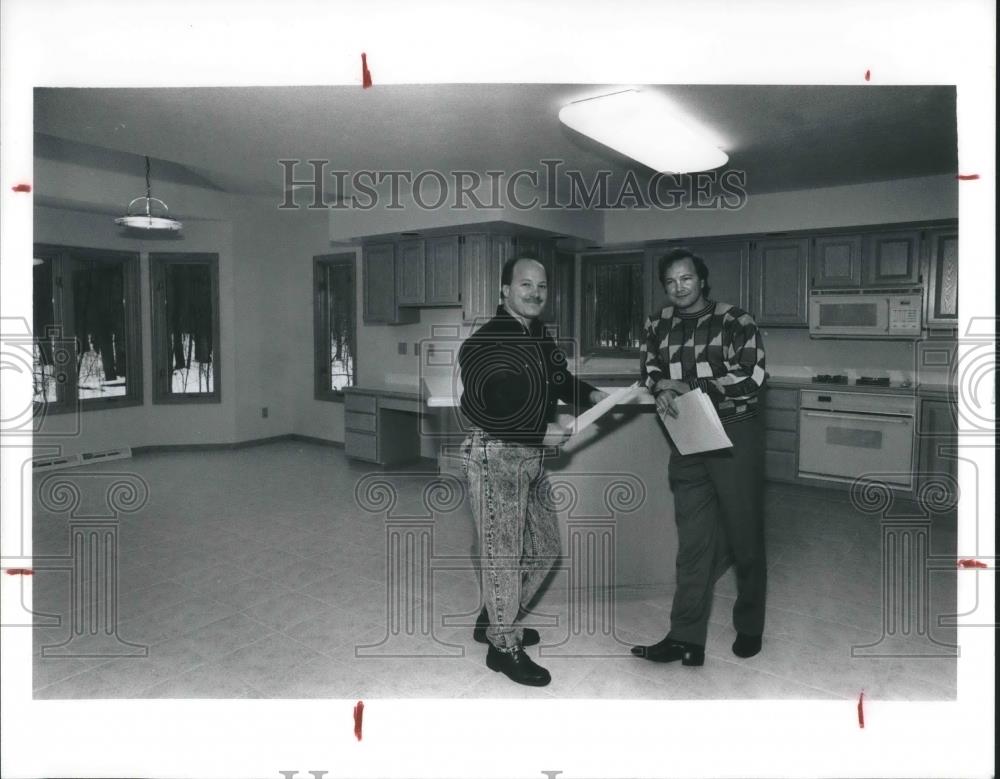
{"x": 875, "y": 313}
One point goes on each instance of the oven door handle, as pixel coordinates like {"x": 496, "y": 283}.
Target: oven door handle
{"x": 895, "y": 420}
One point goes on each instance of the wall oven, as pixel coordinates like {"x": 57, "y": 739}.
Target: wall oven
{"x": 886, "y": 313}
{"x": 848, "y": 435}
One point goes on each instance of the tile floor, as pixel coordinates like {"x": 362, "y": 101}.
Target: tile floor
{"x": 257, "y": 573}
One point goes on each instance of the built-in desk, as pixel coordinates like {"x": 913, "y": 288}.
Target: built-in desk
{"x": 382, "y": 426}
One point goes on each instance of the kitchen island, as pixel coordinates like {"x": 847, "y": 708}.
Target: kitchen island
{"x": 610, "y": 491}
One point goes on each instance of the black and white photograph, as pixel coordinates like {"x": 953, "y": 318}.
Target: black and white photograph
{"x": 524, "y": 395}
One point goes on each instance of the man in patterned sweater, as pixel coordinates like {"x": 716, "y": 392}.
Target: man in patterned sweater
{"x": 695, "y": 343}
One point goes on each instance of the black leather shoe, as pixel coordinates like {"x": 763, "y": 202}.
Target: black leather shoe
{"x": 517, "y": 667}
{"x": 668, "y": 650}
{"x": 530, "y": 637}
{"x": 746, "y": 645}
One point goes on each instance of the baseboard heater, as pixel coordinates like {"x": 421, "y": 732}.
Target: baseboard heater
{"x": 74, "y": 460}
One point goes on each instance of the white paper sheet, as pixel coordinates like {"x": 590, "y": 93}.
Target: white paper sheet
{"x": 697, "y": 427}
{"x": 591, "y": 415}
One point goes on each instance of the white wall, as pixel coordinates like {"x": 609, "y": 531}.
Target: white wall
{"x": 901, "y": 200}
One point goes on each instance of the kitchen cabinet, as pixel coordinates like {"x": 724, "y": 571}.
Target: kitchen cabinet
{"x": 942, "y": 277}
{"x": 482, "y": 257}
{"x": 410, "y": 273}
{"x": 379, "y": 287}
{"x": 937, "y": 470}
{"x": 892, "y": 259}
{"x": 836, "y": 261}
{"x": 781, "y": 433}
{"x": 779, "y": 270}
{"x": 428, "y": 272}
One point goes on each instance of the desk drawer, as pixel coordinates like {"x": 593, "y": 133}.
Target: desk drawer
{"x": 355, "y": 421}
{"x": 362, "y": 403}
{"x": 360, "y": 446}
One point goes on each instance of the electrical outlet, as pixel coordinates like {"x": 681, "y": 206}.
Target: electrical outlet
{"x": 263, "y": 412}
{"x": 401, "y": 347}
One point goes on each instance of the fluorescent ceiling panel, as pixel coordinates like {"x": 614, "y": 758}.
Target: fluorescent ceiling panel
{"x": 643, "y": 126}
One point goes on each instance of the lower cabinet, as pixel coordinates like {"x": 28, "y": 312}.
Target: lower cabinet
{"x": 937, "y": 455}
{"x": 781, "y": 433}
{"x": 381, "y": 430}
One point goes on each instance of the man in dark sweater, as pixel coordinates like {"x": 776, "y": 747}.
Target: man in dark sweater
{"x": 513, "y": 375}
{"x": 695, "y": 343}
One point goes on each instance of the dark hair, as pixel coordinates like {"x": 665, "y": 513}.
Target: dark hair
{"x": 676, "y": 255}
{"x": 507, "y": 271}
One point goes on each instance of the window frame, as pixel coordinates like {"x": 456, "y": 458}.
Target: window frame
{"x": 590, "y": 263}
{"x": 321, "y": 324}
{"x": 63, "y": 308}
{"x": 158, "y": 264}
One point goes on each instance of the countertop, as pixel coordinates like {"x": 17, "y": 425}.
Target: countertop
{"x": 611, "y": 382}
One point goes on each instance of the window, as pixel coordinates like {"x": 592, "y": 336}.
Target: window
{"x": 614, "y": 304}
{"x": 86, "y": 324}
{"x": 336, "y": 364}
{"x": 185, "y": 318}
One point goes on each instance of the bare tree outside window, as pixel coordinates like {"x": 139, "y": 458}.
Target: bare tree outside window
{"x": 185, "y": 327}
{"x": 334, "y": 325}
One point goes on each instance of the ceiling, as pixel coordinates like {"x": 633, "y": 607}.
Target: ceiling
{"x": 231, "y": 138}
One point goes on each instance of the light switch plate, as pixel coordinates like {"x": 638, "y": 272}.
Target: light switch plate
{"x": 401, "y": 347}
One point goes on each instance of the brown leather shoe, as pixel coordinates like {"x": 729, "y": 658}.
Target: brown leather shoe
{"x": 517, "y": 666}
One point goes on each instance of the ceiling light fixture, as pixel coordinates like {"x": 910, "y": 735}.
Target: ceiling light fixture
{"x": 147, "y": 221}
{"x": 643, "y": 126}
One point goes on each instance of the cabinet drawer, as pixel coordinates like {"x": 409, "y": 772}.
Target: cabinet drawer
{"x": 780, "y": 466}
{"x": 361, "y": 446}
{"x": 355, "y": 421}
{"x": 781, "y": 398}
{"x": 781, "y": 419}
{"x": 781, "y": 441}
{"x": 363, "y": 403}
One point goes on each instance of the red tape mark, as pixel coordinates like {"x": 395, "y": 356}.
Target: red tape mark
{"x": 972, "y": 564}
{"x": 21, "y": 187}
{"x": 20, "y": 572}
{"x": 359, "y": 711}
{"x": 366, "y": 75}
{"x": 868, "y": 75}
{"x": 967, "y": 177}
{"x": 861, "y": 710}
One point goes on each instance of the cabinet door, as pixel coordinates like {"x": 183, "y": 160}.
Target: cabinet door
{"x": 892, "y": 259}
{"x": 938, "y": 435}
{"x": 728, "y": 272}
{"x": 443, "y": 276}
{"x": 379, "y": 283}
{"x": 836, "y": 261}
{"x": 942, "y": 277}
{"x": 778, "y": 271}
{"x": 379, "y": 287}
{"x": 410, "y": 273}
{"x": 480, "y": 277}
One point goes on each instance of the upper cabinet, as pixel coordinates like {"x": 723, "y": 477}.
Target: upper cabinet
{"x": 481, "y": 261}
{"x": 410, "y": 273}
{"x": 379, "y": 274}
{"x": 866, "y": 260}
{"x": 892, "y": 259}
{"x": 942, "y": 277}
{"x": 729, "y": 272}
{"x": 779, "y": 270}
{"x": 836, "y": 261}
